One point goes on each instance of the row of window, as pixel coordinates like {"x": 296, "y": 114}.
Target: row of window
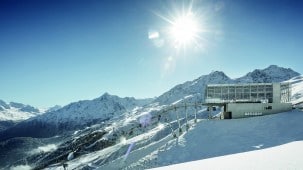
{"x": 240, "y": 96}
{"x": 253, "y": 113}
{"x": 241, "y": 89}
{"x": 248, "y": 92}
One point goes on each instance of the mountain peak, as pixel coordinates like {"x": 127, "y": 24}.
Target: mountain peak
{"x": 4, "y": 105}
{"x": 274, "y": 66}
{"x": 106, "y": 94}
{"x": 272, "y": 73}
{"x": 218, "y": 73}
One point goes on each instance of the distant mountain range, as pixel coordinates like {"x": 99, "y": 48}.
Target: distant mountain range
{"x": 17, "y": 112}
{"x": 84, "y": 113}
{"x": 18, "y": 107}
{"x": 74, "y": 116}
{"x": 12, "y": 113}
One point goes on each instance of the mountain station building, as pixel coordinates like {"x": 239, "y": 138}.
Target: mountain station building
{"x": 246, "y": 100}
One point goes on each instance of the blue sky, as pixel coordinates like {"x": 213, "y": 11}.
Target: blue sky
{"x": 57, "y": 52}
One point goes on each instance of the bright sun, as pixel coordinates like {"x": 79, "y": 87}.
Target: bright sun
{"x": 185, "y": 27}
{"x": 184, "y": 30}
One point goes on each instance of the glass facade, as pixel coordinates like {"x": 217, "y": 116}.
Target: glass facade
{"x": 255, "y": 92}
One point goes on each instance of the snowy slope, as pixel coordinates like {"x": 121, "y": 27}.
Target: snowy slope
{"x": 223, "y": 137}
{"x": 206, "y": 139}
{"x": 286, "y": 156}
{"x": 16, "y": 111}
{"x": 297, "y": 89}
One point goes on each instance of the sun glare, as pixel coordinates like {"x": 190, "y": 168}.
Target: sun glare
{"x": 184, "y": 30}
{"x": 186, "y": 27}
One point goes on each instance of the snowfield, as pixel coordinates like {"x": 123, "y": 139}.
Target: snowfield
{"x": 287, "y": 156}
{"x": 17, "y": 111}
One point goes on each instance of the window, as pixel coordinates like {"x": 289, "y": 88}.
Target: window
{"x": 253, "y": 88}
{"x": 268, "y": 108}
{"x": 261, "y": 88}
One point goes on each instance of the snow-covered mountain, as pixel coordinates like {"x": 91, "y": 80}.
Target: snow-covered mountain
{"x": 16, "y": 111}
{"x": 76, "y": 115}
{"x": 104, "y": 107}
{"x": 84, "y": 113}
{"x": 52, "y": 109}
{"x": 12, "y": 113}
{"x": 100, "y": 131}
{"x": 194, "y": 89}
{"x": 270, "y": 74}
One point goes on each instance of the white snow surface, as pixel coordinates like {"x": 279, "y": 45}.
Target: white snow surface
{"x": 297, "y": 89}
{"x": 16, "y": 111}
{"x": 14, "y": 114}
{"x": 286, "y": 156}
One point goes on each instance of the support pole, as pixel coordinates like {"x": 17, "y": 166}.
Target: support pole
{"x": 196, "y": 112}
{"x": 187, "y": 125}
{"x": 209, "y": 112}
{"x": 180, "y": 130}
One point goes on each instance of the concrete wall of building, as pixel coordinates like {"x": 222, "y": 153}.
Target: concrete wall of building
{"x": 276, "y": 92}
{"x": 242, "y": 110}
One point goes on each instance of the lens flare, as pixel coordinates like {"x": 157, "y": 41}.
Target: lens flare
{"x": 145, "y": 120}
